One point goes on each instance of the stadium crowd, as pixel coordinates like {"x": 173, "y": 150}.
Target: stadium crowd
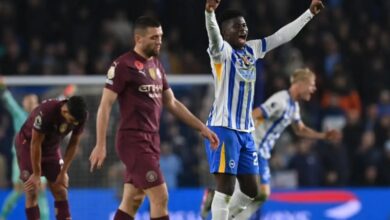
{"x": 348, "y": 46}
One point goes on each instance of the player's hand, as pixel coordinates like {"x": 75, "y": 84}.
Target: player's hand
{"x": 97, "y": 157}
{"x": 211, "y": 136}
{"x": 63, "y": 179}
{"x": 316, "y": 6}
{"x": 33, "y": 183}
{"x": 333, "y": 135}
{"x": 211, "y": 5}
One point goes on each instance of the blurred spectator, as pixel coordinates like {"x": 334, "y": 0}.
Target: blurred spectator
{"x": 335, "y": 164}
{"x": 366, "y": 161}
{"x": 307, "y": 163}
{"x": 384, "y": 166}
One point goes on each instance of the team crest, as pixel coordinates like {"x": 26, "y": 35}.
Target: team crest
{"x": 63, "y": 127}
{"x": 151, "y": 176}
{"x": 246, "y": 61}
{"x": 153, "y": 73}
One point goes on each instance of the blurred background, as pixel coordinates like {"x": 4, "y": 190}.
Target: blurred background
{"x": 347, "y": 45}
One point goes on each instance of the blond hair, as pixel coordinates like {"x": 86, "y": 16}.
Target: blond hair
{"x": 301, "y": 75}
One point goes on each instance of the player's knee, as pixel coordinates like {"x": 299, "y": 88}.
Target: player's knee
{"x": 59, "y": 193}
{"x": 32, "y": 196}
{"x": 161, "y": 201}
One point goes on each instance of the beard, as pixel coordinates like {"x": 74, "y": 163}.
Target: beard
{"x": 152, "y": 52}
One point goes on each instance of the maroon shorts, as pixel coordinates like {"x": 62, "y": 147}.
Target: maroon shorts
{"x": 50, "y": 164}
{"x": 140, "y": 152}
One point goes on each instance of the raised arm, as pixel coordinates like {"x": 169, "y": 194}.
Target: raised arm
{"x": 181, "y": 112}
{"x": 10, "y": 103}
{"x": 213, "y": 32}
{"x": 103, "y": 115}
{"x": 288, "y": 32}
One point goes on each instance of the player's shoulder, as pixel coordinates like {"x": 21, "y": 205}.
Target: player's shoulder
{"x": 280, "y": 98}
{"x": 281, "y": 95}
{"x": 52, "y": 104}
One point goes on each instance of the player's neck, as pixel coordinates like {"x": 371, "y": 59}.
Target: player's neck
{"x": 293, "y": 93}
{"x": 141, "y": 53}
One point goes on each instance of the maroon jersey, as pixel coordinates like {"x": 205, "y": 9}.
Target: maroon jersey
{"x": 47, "y": 119}
{"x": 139, "y": 84}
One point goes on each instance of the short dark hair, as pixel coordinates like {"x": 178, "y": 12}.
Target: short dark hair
{"x": 229, "y": 14}
{"x": 77, "y": 108}
{"x": 144, "y": 22}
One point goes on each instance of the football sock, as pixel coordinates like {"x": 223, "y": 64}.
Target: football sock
{"x": 219, "y": 207}
{"x": 32, "y": 213}
{"x": 121, "y": 215}
{"x": 250, "y": 209}
{"x": 238, "y": 203}
{"x": 62, "y": 210}
{"x": 161, "y": 218}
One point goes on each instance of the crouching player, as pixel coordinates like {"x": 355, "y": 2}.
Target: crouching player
{"x": 38, "y": 151}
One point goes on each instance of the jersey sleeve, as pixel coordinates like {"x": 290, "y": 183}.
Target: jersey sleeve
{"x": 272, "y": 107}
{"x": 116, "y": 80}
{"x": 43, "y": 118}
{"x": 297, "y": 114}
{"x": 259, "y": 47}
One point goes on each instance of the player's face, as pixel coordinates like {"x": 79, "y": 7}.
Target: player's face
{"x": 308, "y": 87}
{"x": 235, "y": 32}
{"x": 68, "y": 117}
{"x": 150, "y": 41}
{"x": 30, "y": 102}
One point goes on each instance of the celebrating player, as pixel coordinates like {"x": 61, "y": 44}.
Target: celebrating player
{"x": 38, "y": 151}
{"x": 19, "y": 115}
{"x": 233, "y": 65}
{"x": 272, "y": 117}
{"x": 138, "y": 81}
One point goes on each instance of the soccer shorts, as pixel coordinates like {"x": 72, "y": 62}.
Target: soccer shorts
{"x": 236, "y": 153}
{"x": 50, "y": 164}
{"x": 140, "y": 153}
{"x": 264, "y": 171}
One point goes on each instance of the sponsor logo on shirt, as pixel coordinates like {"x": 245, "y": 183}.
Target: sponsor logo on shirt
{"x": 154, "y": 91}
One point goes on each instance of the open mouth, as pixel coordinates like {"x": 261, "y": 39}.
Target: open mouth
{"x": 242, "y": 38}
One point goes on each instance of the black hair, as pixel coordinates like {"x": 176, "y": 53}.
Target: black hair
{"x": 229, "y": 14}
{"x": 144, "y": 22}
{"x": 77, "y": 108}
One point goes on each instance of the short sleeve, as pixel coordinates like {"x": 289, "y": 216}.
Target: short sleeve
{"x": 219, "y": 56}
{"x": 42, "y": 119}
{"x": 272, "y": 107}
{"x": 116, "y": 80}
{"x": 297, "y": 114}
